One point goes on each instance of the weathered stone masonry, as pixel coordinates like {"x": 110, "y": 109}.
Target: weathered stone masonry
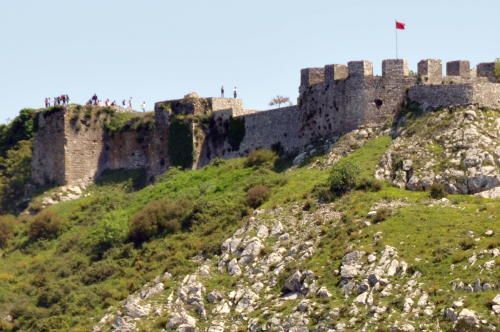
{"x": 333, "y": 100}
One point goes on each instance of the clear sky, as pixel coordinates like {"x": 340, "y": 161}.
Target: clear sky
{"x": 155, "y": 50}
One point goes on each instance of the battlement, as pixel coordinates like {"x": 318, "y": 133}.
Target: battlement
{"x": 487, "y": 70}
{"x": 430, "y": 71}
{"x": 335, "y": 72}
{"x": 395, "y": 68}
{"x": 459, "y": 68}
{"x": 359, "y": 69}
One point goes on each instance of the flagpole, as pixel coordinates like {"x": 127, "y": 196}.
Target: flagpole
{"x": 396, "y": 28}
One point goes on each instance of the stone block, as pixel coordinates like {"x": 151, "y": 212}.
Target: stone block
{"x": 394, "y": 68}
{"x": 486, "y": 69}
{"x": 362, "y": 68}
{"x": 311, "y": 76}
{"x": 458, "y": 68}
{"x": 430, "y": 71}
{"x": 335, "y": 72}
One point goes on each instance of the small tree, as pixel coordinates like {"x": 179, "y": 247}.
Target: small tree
{"x": 278, "y": 100}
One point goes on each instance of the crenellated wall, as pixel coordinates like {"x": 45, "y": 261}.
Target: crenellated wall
{"x": 192, "y": 131}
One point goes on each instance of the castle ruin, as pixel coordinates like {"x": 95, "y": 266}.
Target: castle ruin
{"x": 192, "y": 131}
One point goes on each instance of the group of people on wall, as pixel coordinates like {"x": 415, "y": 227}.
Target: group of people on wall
{"x": 63, "y": 100}
{"x": 126, "y": 103}
{"x": 57, "y": 101}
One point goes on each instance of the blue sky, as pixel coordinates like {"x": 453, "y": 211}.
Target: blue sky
{"x": 160, "y": 49}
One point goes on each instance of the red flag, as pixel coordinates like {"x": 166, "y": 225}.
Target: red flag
{"x": 400, "y": 25}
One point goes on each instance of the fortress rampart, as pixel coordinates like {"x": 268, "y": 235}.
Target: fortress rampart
{"x": 192, "y": 131}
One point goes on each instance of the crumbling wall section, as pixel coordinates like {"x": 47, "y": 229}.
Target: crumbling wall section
{"x": 48, "y": 162}
{"x": 84, "y": 150}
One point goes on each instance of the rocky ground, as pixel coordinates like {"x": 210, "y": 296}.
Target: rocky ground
{"x": 457, "y": 147}
{"x": 261, "y": 283}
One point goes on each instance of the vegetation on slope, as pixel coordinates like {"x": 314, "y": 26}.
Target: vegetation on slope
{"x": 66, "y": 282}
{"x": 15, "y": 161}
{"x": 66, "y": 279}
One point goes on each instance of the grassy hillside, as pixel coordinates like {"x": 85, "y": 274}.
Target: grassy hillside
{"x": 67, "y": 281}
{"x": 85, "y": 258}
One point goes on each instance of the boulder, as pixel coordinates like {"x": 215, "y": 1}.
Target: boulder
{"x": 294, "y": 283}
{"x": 469, "y": 317}
{"x": 233, "y": 268}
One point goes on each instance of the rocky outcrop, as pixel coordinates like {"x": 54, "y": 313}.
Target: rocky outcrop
{"x": 261, "y": 282}
{"x": 459, "y": 148}
{"x": 254, "y": 259}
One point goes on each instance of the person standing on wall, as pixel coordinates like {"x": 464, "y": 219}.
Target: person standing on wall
{"x": 143, "y": 106}
{"x": 235, "y": 93}
{"x": 222, "y": 91}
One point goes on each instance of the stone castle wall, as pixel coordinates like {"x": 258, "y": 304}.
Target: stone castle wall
{"x": 48, "y": 161}
{"x": 344, "y": 103}
{"x": 84, "y": 149}
{"x": 333, "y": 100}
{"x": 268, "y": 129}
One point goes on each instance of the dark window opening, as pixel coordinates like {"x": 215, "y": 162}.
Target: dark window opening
{"x": 378, "y": 103}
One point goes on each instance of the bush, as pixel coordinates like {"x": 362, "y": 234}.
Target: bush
{"x": 159, "y": 217}
{"x": 343, "y": 178}
{"x": 15, "y": 174}
{"x": 260, "y": 157}
{"x": 382, "y": 214}
{"x": 257, "y": 195}
{"x": 437, "y": 191}
{"x": 99, "y": 272}
{"x": 466, "y": 244}
{"x": 45, "y": 225}
{"x": 6, "y": 230}
{"x": 369, "y": 184}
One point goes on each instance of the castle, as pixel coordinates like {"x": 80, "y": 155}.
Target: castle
{"x": 192, "y": 131}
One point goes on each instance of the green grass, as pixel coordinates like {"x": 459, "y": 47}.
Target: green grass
{"x": 92, "y": 265}
{"x": 68, "y": 283}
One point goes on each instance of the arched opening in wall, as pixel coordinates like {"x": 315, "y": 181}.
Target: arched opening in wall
{"x": 162, "y": 162}
{"x": 378, "y": 103}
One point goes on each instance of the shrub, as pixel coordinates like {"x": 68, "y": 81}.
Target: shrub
{"x": 260, "y": 157}
{"x": 257, "y": 195}
{"x": 6, "y": 230}
{"x": 437, "y": 191}
{"x": 382, "y": 214}
{"x": 15, "y": 174}
{"x": 466, "y": 244}
{"x": 142, "y": 228}
{"x": 369, "y": 184}
{"x": 343, "y": 178}
{"x": 45, "y": 225}
{"x": 159, "y": 217}
{"x": 106, "y": 235}
{"x": 99, "y": 272}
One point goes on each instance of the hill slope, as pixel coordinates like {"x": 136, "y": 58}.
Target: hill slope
{"x": 239, "y": 245}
